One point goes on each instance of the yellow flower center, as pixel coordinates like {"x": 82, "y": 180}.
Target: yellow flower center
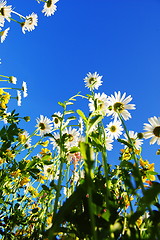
{"x": 49, "y": 3}
{"x": 113, "y": 128}
{"x": 41, "y": 126}
{"x": 70, "y": 137}
{"x": 91, "y": 80}
{"x": 56, "y": 120}
{"x": 156, "y": 131}
{"x": 118, "y": 107}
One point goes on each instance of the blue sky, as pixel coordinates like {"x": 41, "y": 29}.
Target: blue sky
{"x": 120, "y": 39}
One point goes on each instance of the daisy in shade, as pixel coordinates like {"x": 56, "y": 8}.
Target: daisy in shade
{"x": 114, "y": 129}
{"x": 81, "y": 125}
{"x": 24, "y": 89}
{"x": 57, "y": 119}
{"x": 108, "y": 143}
{"x": 51, "y": 172}
{"x": 49, "y": 7}
{"x": 134, "y": 138}
{"x": 19, "y": 98}
{"x": 119, "y": 104}
{"x": 2, "y": 20}
{"x": 44, "y": 125}
{"x": 93, "y": 80}
{"x": 153, "y": 130}
{"x": 55, "y": 141}
{"x": 3, "y": 34}
{"x": 5, "y": 11}
{"x": 30, "y": 23}
{"x": 99, "y": 104}
{"x": 72, "y": 137}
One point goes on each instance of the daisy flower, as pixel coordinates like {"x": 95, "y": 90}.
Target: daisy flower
{"x": 81, "y": 125}
{"x": 44, "y": 125}
{"x": 24, "y": 138}
{"x": 51, "y": 172}
{"x": 57, "y": 119}
{"x": 24, "y": 89}
{"x": 49, "y": 7}
{"x": 30, "y": 23}
{"x": 108, "y": 143}
{"x": 5, "y": 11}
{"x": 93, "y": 81}
{"x": 3, "y": 34}
{"x": 19, "y": 98}
{"x": 55, "y": 141}
{"x": 99, "y": 104}
{"x": 72, "y": 137}
{"x": 2, "y": 20}
{"x": 134, "y": 138}
{"x": 119, "y": 104}
{"x": 13, "y": 79}
{"x": 114, "y": 129}
{"x": 153, "y": 130}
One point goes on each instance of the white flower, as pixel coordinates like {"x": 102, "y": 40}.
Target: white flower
{"x": 81, "y": 125}
{"x": 49, "y": 7}
{"x": 25, "y": 139}
{"x": 6, "y": 115}
{"x": 114, "y": 129}
{"x": 13, "y": 79}
{"x": 3, "y": 34}
{"x": 57, "y": 119}
{"x": 108, "y": 144}
{"x": 44, "y": 125}
{"x": 5, "y": 11}
{"x": 2, "y": 20}
{"x": 50, "y": 172}
{"x": 30, "y": 23}
{"x": 93, "y": 81}
{"x": 153, "y": 130}
{"x": 24, "y": 89}
{"x": 99, "y": 104}
{"x": 134, "y": 138}
{"x": 119, "y": 104}
{"x": 19, "y": 98}
{"x": 72, "y": 137}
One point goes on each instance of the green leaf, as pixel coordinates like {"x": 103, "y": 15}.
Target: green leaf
{"x": 61, "y": 104}
{"x": 69, "y": 112}
{"x": 124, "y": 142}
{"x": 106, "y": 215}
{"x": 82, "y": 115}
{"x": 74, "y": 149}
{"x": 93, "y": 122}
{"x": 45, "y": 187}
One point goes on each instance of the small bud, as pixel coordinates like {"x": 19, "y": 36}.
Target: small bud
{"x": 13, "y": 79}
{"x": 140, "y": 135}
{"x": 158, "y": 152}
{"x": 27, "y": 118}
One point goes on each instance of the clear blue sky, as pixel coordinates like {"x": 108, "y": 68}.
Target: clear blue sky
{"x": 120, "y": 39}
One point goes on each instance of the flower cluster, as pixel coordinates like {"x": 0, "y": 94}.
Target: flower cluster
{"x": 62, "y": 168}
{"x": 27, "y": 23}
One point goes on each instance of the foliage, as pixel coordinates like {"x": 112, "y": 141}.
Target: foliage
{"x": 57, "y": 182}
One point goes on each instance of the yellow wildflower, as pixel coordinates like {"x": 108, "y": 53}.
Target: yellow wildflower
{"x": 9, "y": 153}
{"x": 1, "y": 91}
{"x": 24, "y": 181}
{"x": 1, "y": 160}
{"x": 16, "y": 173}
{"x": 45, "y": 144}
{"x": 49, "y": 220}
{"x": 139, "y": 221}
{"x": 45, "y": 151}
